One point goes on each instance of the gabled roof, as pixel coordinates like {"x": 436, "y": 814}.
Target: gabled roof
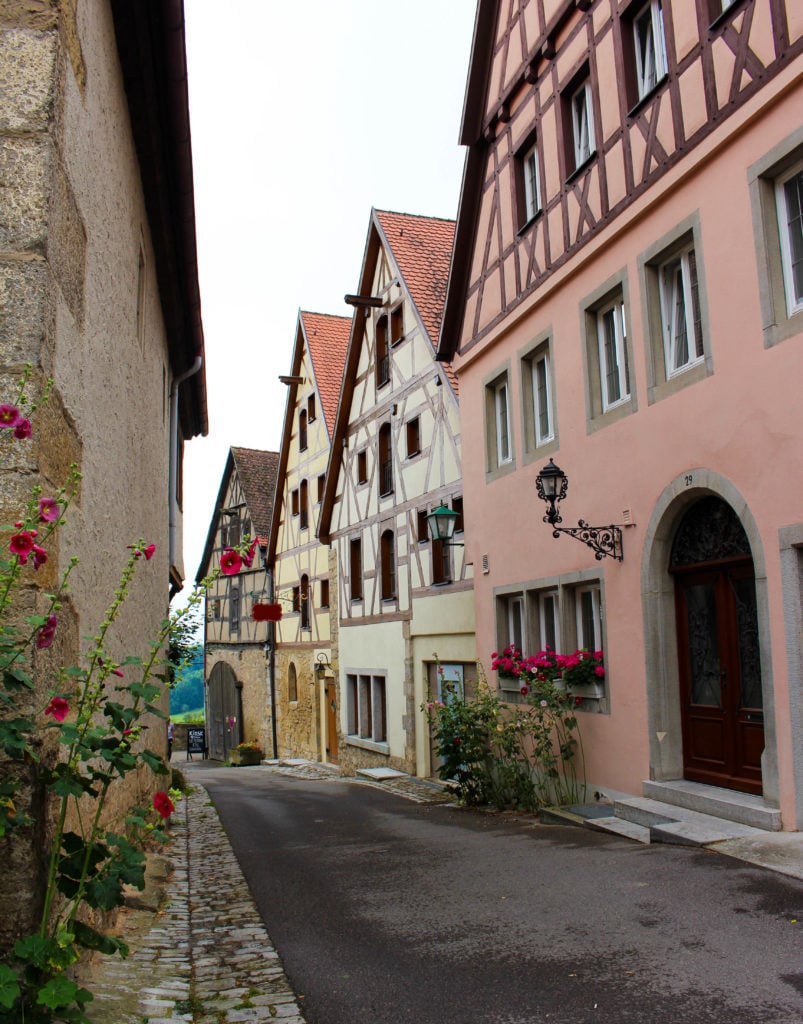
{"x": 420, "y": 248}
{"x": 326, "y": 339}
{"x": 256, "y": 472}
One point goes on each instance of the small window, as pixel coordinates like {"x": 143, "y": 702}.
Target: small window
{"x": 588, "y": 611}
{"x": 234, "y": 610}
{"x": 382, "y": 352}
{"x": 292, "y": 684}
{"x": 441, "y": 562}
{"x": 649, "y": 47}
{"x": 366, "y": 707}
{"x": 302, "y": 430}
{"x": 362, "y": 467}
{"x": 311, "y": 410}
{"x": 355, "y": 569}
{"x": 294, "y": 505}
{"x": 579, "y": 124}
{"x": 297, "y": 599}
{"x": 789, "y": 199}
{"x": 304, "y": 602}
{"x": 231, "y": 532}
{"x": 528, "y": 177}
{"x": 214, "y": 610}
{"x": 397, "y": 325}
{"x": 548, "y": 620}
{"x": 413, "y": 437}
{"x": 321, "y": 487}
{"x": 324, "y": 592}
{"x": 421, "y": 527}
{"x": 303, "y": 516}
{"x": 457, "y": 507}
{"x": 500, "y": 452}
{"x": 681, "y": 321}
{"x": 536, "y": 376}
{"x": 388, "y": 565}
{"x": 385, "y": 460}
{"x": 614, "y": 370}
{"x": 510, "y": 621}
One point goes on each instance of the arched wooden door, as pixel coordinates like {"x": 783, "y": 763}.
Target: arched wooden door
{"x": 718, "y": 651}
{"x": 223, "y": 701}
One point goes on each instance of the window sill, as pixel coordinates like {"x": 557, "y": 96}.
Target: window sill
{"x": 583, "y": 167}
{"x": 640, "y": 103}
{"x": 366, "y": 744}
{"x": 529, "y": 223}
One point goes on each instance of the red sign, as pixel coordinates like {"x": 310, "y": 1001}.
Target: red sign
{"x": 267, "y": 612}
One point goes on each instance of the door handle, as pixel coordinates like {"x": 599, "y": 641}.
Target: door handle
{"x": 723, "y": 678}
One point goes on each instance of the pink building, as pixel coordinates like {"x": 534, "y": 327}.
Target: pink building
{"x": 626, "y": 298}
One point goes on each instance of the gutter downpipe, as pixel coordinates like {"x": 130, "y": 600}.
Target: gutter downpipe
{"x": 272, "y": 663}
{"x": 173, "y": 460}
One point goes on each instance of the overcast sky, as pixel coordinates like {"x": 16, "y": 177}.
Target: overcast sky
{"x": 304, "y": 116}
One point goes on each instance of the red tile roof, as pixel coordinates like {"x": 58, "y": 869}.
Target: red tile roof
{"x": 422, "y": 248}
{"x": 257, "y": 471}
{"x": 327, "y": 341}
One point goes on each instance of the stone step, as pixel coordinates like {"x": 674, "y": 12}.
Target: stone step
{"x": 744, "y": 808}
{"x": 620, "y": 827}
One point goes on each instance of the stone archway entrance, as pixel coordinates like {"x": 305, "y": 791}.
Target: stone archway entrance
{"x": 719, "y": 663}
{"x": 225, "y": 714}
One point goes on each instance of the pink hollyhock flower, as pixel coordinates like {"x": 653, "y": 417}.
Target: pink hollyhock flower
{"x": 58, "y": 708}
{"x": 44, "y": 638}
{"x": 248, "y": 558}
{"x": 9, "y": 416}
{"x": 163, "y": 805}
{"x": 48, "y": 510}
{"x": 23, "y": 429}
{"x": 39, "y": 556}
{"x": 148, "y": 552}
{"x": 230, "y": 562}
{"x": 117, "y": 672}
{"x": 21, "y": 544}
{"x": 599, "y": 671}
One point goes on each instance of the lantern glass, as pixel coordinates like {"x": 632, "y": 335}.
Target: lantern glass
{"x": 441, "y": 523}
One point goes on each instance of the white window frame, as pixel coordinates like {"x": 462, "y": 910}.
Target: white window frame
{"x": 613, "y": 366}
{"x": 514, "y": 621}
{"x": 675, "y": 284}
{"x": 501, "y": 397}
{"x": 532, "y": 183}
{"x": 593, "y": 593}
{"x": 650, "y": 47}
{"x": 582, "y": 124}
{"x": 790, "y": 234}
{"x": 542, "y": 398}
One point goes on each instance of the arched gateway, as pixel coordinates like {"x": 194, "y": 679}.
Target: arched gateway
{"x": 224, "y": 710}
{"x": 719, "y": 662}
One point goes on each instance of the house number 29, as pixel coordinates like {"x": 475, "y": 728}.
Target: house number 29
{"x": 688, "y": 479}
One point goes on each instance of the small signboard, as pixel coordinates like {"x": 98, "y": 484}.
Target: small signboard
{"x": 196, "y": 741}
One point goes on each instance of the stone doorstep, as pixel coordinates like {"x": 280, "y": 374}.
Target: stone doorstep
{"x": 381, "y": 774}
{"x": 744, "y": 808}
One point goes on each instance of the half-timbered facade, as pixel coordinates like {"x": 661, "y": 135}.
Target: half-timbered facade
{"x": 626, "y": 298}
{"x": 404, "y": 601}
{"x": 238, "y": 700}
{"x": 302, "y": 674}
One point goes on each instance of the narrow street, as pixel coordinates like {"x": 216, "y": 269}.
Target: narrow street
{"x": 384, "y": 910}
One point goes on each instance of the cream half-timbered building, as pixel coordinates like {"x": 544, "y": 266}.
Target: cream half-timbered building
{"x": 238, "y": 701}
{"x": 302, "y": 673}
{"x": 626, "y": 298}
{"x": 404, "y": 601}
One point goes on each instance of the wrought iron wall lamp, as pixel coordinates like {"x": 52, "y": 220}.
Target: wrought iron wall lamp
{"x": 322, "y": 665}
{"x": 552, "y": 485}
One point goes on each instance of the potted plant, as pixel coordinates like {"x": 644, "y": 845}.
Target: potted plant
{"x": 246, "y": 753}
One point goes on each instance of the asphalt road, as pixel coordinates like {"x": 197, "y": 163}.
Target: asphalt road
{"x": 385, "y": 911}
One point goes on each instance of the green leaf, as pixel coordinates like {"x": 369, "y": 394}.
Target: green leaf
{"x": 9, "y": 987}
{"x": 89, "y": 938}
{"x": 154, "y": 762}
{"x": 104, "y": 892}
{"x": 57, "y": 992}
{"x": 17, "y": 678}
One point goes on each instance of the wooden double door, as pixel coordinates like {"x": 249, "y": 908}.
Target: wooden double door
{"x": 720, "y": 676}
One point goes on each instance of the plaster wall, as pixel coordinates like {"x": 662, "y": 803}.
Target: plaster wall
{"x": 736, "y": 422}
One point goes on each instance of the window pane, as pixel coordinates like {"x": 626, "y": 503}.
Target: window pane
{"x": 532, "y": 202}
{"x": 502, "y": 428}
{"x": 793, "y": 194}
{"x": 543, "y": 427}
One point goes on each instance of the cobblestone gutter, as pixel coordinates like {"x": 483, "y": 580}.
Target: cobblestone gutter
{"x": 198, "y": 949}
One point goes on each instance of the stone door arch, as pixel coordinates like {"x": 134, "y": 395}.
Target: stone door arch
{"x": 224, "y": 710}
{"x": 661, "y": 625}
